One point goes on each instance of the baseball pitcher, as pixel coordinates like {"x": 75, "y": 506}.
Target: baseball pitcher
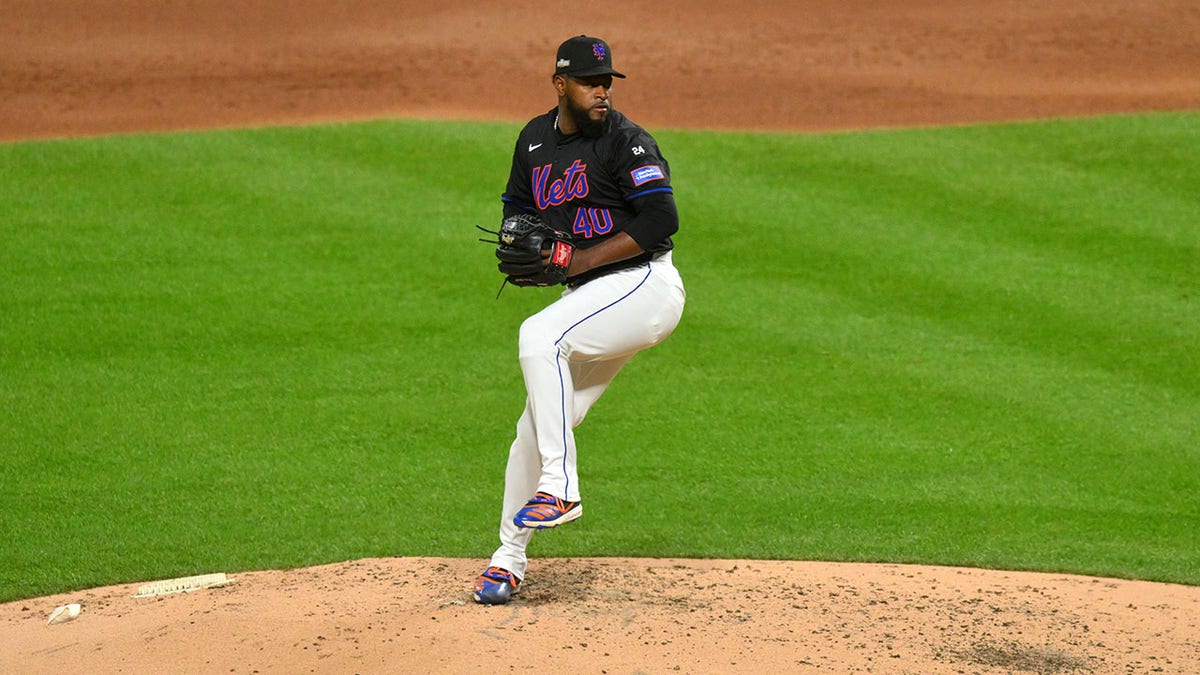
{"x": 588, "y": 205}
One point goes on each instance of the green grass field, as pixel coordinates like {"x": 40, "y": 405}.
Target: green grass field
{"x": 279, "y": 347}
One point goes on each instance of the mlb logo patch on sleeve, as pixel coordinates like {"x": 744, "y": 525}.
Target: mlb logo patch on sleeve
{"x": 646, "y": 174}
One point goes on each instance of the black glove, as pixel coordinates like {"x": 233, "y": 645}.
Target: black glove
{"x": 531, "y": 252}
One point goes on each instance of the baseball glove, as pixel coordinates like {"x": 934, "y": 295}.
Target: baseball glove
{"x": 531, "y": 252}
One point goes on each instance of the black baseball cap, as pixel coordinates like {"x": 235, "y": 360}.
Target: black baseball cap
{"x": 584, "y": 56}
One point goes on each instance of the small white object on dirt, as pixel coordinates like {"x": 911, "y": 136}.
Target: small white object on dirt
{"x": 64, "y": 613}
{"x": 183, "y": 585}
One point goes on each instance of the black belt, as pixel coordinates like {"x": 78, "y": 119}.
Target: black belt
{"x": 631, "y": 264}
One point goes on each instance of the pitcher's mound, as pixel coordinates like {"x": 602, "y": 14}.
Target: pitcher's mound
{"x": 614, "y": 615}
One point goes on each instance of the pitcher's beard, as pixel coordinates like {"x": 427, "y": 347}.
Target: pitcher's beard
{"x": 587, "y": 126}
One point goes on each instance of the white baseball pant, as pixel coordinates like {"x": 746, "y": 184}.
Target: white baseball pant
{"x": 569, "y": 353}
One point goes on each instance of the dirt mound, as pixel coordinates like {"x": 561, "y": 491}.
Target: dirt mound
{"x": 620, "y": 616}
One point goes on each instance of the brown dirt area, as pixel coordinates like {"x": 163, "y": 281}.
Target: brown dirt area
{"x": 405, "y": 615}
{"x": 118, "y": 66}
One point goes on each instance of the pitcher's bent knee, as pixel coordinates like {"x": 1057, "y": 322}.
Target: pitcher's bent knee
{"x": 538, "y": 338}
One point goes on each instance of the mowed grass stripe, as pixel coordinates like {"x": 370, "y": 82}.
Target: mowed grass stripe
{"x": 277, "y": 347}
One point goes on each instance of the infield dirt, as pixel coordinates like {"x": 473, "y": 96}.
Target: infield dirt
{"x": 117, "y": 66}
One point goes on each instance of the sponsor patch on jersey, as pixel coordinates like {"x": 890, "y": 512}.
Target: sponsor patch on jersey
{"x": 646, "y": 174}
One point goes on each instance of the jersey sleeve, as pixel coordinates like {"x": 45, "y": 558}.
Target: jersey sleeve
{"x": 644, "y": 178}
{"x": 518, "y": 193}
{"x": 656, "y": 220}
{"x": 639, "y": 167}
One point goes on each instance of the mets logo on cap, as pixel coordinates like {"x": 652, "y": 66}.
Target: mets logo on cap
{"x": 599, "y": 50}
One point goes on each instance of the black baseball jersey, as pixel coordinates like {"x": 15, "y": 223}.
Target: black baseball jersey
{"x": 594, "y": 187}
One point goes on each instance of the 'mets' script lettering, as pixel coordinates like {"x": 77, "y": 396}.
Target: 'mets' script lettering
{"x": 573, "y": 185}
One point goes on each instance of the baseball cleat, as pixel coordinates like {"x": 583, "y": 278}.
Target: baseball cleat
{"x": 496, "y": 586}
{"x": 546, "y": 510}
